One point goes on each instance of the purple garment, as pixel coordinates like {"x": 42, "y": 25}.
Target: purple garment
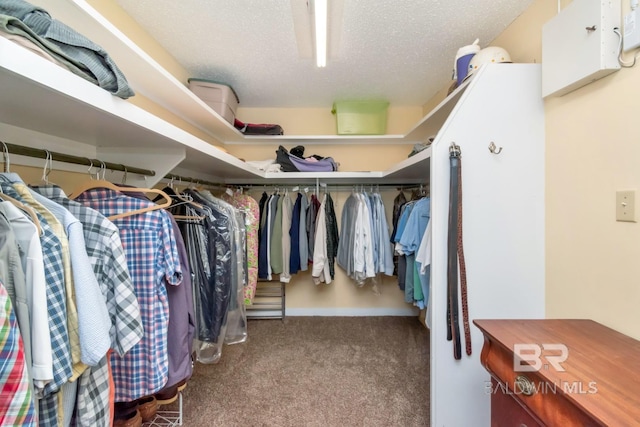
{"x": 182, "y": 327}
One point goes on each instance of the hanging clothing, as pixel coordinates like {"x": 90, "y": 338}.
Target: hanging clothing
{"x": 363, "y": 266}
{"x": 152, "y": 259}
{"x": 229, "y": 323}
{"x": 57, "y": 313}
{"x": 181, "y": 329}
{"x": 312, "y": 221}
{"x": 423, "y": 262}
{"x": 398, "y": 202}
{"x": 408, "y": 243}
{"x": 30, "y": 307}
{"x": 320, "y": 271}
{"x": 17, "y": 406}
{"x": 277, "y": 261}
{"x": 262, "y": 237}
{"x": 93, "y": 316}
{"x": 108, "y": 261}
{"x": 333, "y": 238}
{"x": 287, "y": 209}
{"x": 302, "y": 234}
{"x": 215, "y": 281}
{"x": 345, "y": 256}
{"x": 251, "y": 210}
{"x": 381, "y": 235}
{"x": 294, "y": 235}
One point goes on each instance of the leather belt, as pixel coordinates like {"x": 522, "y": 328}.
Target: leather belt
{"x": 455, "y": 258}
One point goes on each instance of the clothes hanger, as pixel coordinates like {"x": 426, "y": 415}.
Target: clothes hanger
{"x": 102, "y": 183}
{"x": 5, "y": 153}
{"x": 26, "y": 209}
{"x": 185, "y": 200}
{"x": 48, "y": 166}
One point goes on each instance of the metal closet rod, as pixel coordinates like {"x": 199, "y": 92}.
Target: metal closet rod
{"x": 67, "y": 158}
{"x": 330, "y": 185}
{"x": 189, "y": 180}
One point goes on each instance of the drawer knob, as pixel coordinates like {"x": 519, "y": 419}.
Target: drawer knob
{"x": 525, "y": 385}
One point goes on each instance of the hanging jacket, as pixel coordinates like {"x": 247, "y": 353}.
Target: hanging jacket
{"x": 215, "y": 270}
{"x": 332, "y": 235}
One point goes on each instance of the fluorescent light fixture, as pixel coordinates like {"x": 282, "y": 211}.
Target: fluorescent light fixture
{"x": 320, "y": 15}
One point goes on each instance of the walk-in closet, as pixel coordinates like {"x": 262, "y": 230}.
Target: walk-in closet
{"x": 183, "y": 297}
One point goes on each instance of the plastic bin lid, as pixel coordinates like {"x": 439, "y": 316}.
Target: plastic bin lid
{"x": 215, "y": 82}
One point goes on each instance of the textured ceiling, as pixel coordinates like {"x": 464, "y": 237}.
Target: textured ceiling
{"x": 400, "y": 50}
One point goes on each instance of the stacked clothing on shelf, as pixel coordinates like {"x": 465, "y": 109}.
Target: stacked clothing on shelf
{"x": 33, "y": 28}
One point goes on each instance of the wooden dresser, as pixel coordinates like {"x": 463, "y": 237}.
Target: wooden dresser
{"x": 560, "y": 373}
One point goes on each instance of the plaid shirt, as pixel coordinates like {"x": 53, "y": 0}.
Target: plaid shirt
{"x": 57, "y": 311}
{"x": 152, "y": 258}
{"x": 108, "y": 261}
{"x": 17, "y": 407}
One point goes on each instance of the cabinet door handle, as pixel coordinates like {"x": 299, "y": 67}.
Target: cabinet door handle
{"x": 525, "y": 385}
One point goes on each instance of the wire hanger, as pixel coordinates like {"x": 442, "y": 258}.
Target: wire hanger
{"x": 48, "y": 164}
{"x": 7, "y": 162}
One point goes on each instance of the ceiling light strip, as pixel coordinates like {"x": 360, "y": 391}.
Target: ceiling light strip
{"x": 320, "y": 13}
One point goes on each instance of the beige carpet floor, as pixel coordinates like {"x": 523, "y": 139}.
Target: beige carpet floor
{"x": 316, "y": 371}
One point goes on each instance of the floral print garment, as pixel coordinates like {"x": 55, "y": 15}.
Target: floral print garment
{"x": 251, "y": 208}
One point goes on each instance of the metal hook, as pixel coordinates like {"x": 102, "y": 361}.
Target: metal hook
{"x": 7, "y": 162}
{"x": 494, "y": 148}
{"x": 124, "y": 177}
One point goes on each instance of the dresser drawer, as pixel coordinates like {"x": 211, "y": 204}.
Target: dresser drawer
{"x": 507, "y": 412}
{"x": 546, "y": 400}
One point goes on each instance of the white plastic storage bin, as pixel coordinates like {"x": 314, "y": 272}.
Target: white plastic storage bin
{"x": 220, "y": 97}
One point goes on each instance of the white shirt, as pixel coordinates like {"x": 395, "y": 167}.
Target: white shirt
{"x": 320, "y": 270}
{"x": 94, "y": 321}
{"x": 40, "y": 346}
{"x": 287, "y": 212}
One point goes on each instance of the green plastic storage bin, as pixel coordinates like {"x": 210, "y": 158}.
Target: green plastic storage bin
{"x": 361, "y": 117}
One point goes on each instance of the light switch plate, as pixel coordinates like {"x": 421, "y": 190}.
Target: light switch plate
{"x": 626, "y": 205}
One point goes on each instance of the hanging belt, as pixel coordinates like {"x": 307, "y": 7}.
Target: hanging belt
{"x": 463, "y": 267}
{"x": 455, "y": 258}
{"x": 453, "y": 331}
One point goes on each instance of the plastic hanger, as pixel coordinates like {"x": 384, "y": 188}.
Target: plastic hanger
{"x": 101, "y": 183}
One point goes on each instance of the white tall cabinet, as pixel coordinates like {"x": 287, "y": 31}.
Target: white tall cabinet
{"x": 503, "y": 226}
{"x": 503, "y": 194}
